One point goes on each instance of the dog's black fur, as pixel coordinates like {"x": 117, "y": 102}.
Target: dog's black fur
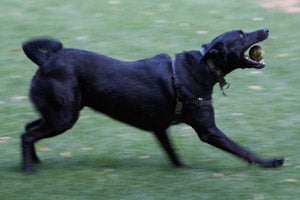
{"x": 139, "y": 93}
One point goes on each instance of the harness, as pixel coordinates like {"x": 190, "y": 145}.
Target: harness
{"x": 180, "y": 92}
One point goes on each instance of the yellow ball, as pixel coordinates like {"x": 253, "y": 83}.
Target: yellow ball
{"x": 256, "y": 53}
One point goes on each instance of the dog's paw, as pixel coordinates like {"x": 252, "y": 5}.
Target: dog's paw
{"x": 273, "y": 163}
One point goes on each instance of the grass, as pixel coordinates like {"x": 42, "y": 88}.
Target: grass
{"x": 103, "y": 159}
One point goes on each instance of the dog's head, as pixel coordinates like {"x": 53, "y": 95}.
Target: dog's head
{"x": 227, "y": 51}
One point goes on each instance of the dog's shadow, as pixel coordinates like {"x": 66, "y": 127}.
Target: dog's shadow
{"x": 109, "y": 164}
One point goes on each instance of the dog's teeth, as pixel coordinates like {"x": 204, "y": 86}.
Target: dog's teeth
{"x": 249, "y": 59}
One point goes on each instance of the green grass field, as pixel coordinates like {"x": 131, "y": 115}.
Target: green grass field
{"x": 103, "y": 159}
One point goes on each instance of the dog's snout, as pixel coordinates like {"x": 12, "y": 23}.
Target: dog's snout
{"x": 266, "y": 30}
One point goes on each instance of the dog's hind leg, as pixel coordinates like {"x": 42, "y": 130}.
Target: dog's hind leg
{"x": 55, "y": 123}
{"x": 33, "y": 124}
{"x": 28, "y": 128}
{"x": 165, "y": 143}
{"x": 59, "y": 103}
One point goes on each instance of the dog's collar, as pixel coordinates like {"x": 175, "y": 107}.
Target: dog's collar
{"x": 217, "y": 72}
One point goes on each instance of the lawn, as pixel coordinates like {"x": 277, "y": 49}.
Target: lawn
{"x": 103, "y": 159}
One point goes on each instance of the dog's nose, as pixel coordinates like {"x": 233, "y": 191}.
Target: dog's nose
{"x": 266, "y": 30}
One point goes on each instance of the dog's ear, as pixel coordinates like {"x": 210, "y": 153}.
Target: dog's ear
{"x": 212, "y": 50}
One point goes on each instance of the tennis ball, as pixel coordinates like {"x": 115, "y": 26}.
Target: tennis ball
{"x": 256, "y": 53}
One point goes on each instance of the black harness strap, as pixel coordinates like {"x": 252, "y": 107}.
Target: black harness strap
{"x": 180, "y": 101}
{"x": 177, "y": 87}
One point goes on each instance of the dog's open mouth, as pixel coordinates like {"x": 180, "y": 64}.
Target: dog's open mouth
{"x": 252, "y": 39}
{"x": 252, "y": 63}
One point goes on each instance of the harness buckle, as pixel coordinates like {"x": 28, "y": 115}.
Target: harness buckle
{"x": 201, "y": 102}
{"x": 178, "y": 108}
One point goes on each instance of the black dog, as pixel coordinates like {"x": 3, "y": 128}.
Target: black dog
{"x": 150, "y": 94}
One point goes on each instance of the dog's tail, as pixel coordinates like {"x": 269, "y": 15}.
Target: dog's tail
{"x": 39, "y": 50}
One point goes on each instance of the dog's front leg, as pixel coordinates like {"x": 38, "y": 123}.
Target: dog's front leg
{"x": 166, "y": 144}
{"x": 204, "y": 124}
